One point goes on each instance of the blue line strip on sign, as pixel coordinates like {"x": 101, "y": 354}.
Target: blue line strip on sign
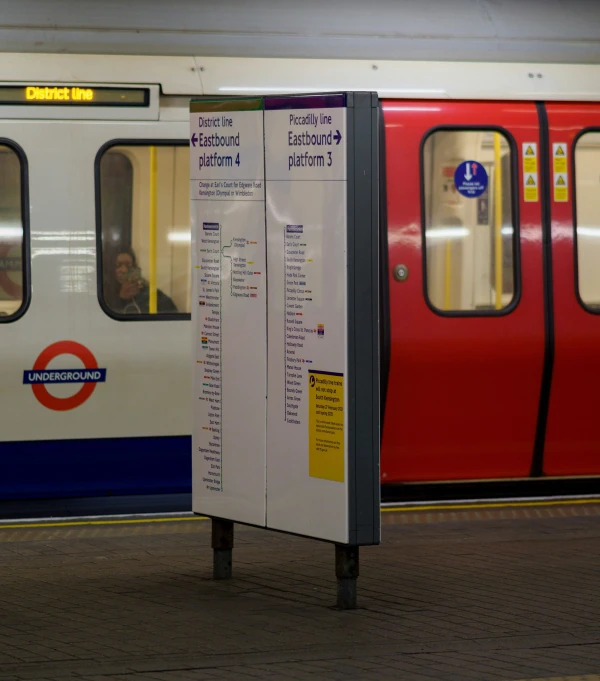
{"x": 334, "y": 101}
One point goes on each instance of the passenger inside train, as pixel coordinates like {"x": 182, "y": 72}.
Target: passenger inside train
{"x": 144, "y": 225}
{"x": 129, "y": 292}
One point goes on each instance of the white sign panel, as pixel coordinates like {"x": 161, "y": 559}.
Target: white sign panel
{"x": 306, "y": 168}
{"x": 286, "y": 345}
{"x": 229, "y": 309}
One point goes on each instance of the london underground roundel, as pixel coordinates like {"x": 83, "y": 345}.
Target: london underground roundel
{"x": 89, "y": 375}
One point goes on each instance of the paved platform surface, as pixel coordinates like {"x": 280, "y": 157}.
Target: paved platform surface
{"x": 453, "y": 595}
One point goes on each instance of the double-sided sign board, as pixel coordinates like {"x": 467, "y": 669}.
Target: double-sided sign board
{"x": 285, "y": 312}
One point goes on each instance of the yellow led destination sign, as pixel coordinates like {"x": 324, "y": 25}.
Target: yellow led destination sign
{"x": 59, "y": 94}
{"x": 74, "y": 95}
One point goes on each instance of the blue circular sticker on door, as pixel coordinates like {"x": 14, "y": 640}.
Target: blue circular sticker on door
{"x": 470, "y": 179}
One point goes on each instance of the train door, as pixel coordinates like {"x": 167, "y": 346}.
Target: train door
{"x": 112, "y": 174}
{"x": 572, "y": 434}
{"x": 465, "y": 289}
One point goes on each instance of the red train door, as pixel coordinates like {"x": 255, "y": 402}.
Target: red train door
{"x": 572, "y": 434}
{"x": 465, "y": 290}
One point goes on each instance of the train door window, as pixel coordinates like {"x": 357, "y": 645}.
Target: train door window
{"x": 469, "y": 241}
{"x": 13, "y": 293}
{"x": 144, "y": 229}
{"x": 587, "y": 186}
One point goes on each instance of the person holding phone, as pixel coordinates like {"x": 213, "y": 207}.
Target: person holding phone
{"x": 129, "y": 292}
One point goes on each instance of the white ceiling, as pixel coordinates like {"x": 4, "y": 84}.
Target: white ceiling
{"x": 548, "y": 31}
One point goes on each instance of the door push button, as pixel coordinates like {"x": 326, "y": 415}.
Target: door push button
{"x": 401, "y": 273}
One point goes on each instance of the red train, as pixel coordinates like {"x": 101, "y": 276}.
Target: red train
{"x": 493, "y": 326}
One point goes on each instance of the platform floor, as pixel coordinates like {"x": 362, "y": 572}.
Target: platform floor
{"x": 453, "y": 595}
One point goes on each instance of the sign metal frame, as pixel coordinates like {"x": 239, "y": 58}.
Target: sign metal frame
{"x": 363, "y": 318}
{"x": 362, "y": 380}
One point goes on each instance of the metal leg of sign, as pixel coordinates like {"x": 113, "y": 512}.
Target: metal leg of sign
{"x": 346, "y": 571}
{"x": 222, "y": 545}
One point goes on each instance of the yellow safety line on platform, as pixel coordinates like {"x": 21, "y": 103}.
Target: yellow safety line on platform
{"x": 389, "y": 509}
{"x": 502, "y": 504}
{"x": 75, "y": 523}
{"x": 584, "y": 677}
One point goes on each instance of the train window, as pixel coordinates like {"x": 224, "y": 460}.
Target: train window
{"x": 144, "y": 228}
{"x": 13, "y": 289}
{"x": 469, "y": 240}
{"x": 587, "y": 184}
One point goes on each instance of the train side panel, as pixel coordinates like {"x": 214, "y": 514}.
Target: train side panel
{"x": 129, "y": 432}
{"x": 572, "y": 437}
{"x": 467, "y": 346}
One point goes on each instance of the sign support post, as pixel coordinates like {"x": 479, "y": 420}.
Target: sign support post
{"x": 346, "y": 572}
{"x": 222, "y": 545}
{"x": 285, "y": 311}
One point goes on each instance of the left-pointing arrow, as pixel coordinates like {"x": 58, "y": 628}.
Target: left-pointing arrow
{"x": 194, "y": 139}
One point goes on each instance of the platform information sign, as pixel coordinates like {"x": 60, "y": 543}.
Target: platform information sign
{"x": 229, "y": 307}
{"x": 306, "y": 170}
{"x": 286, "y": 244}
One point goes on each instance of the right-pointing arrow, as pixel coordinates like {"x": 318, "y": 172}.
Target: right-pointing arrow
{"x": 337, "y": 137}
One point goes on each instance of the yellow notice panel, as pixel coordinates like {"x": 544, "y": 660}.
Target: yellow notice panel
{"x": 559, "y": 157}
{"x": 560, "y": 171}
{"x": 326, "y": 458}
{"x": 530, "y": 171}
{"x": 530, "y": 157}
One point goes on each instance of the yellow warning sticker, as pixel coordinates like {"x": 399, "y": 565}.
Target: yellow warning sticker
{"x": 530, "y": 170}
{"x": 530, "y": 186}
{"x": 561, "y": 187}
{"x": 326, "y": 443}
{"x": 559, "y": 157}
{"x": 530, "y": 157}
